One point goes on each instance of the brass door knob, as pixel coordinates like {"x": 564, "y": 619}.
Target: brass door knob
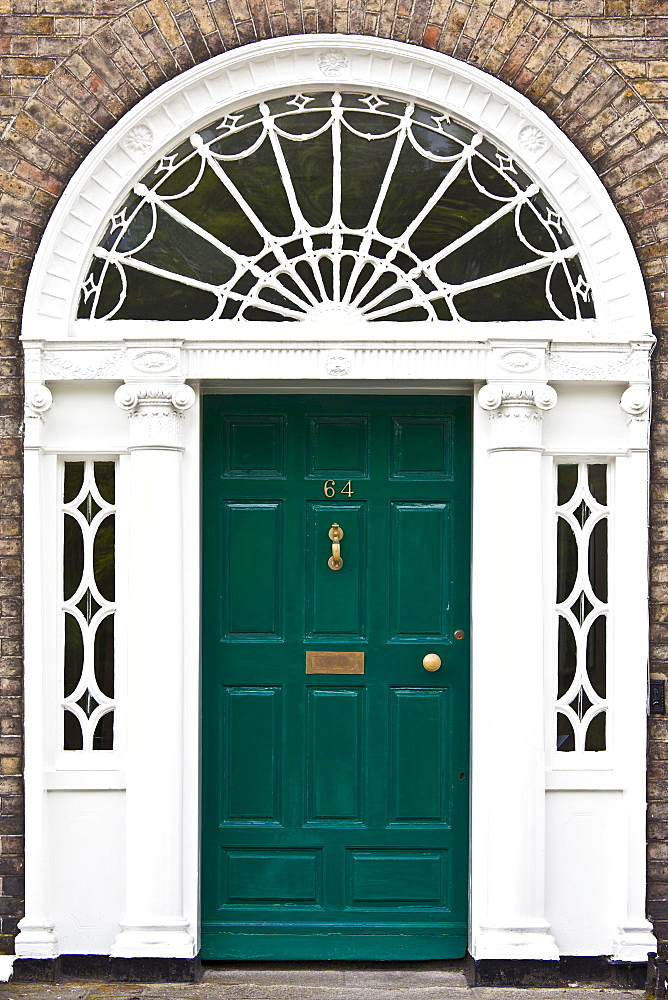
{"x": 431, "y": 662}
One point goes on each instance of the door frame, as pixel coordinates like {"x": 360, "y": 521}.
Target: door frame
{"x": 600, "y": 409}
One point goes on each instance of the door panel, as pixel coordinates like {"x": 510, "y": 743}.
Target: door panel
{"x": 335, "y": 805}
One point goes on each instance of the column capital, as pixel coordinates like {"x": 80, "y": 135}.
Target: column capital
{"x": 38, "y": 400}
{"x": 516, "y": 411}
{"x": 636, "y": 401}
{"x": 156, "y": 413}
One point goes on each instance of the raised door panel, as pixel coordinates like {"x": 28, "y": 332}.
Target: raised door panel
{"x": 252, "y": 605}
{"x": 251, "y": 730}
{"x": 420, "y": 570}
{"x": 335, "y": 602}
{"x": 419, "y": 765}
{"x": 334, "y": 756}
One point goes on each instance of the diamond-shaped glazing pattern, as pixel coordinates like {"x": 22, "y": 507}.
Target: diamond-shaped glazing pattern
{"x": 582, "y": 606}
{"x": 88, "y": 607}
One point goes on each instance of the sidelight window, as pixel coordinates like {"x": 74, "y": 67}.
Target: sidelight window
{"x": 582, "y": 606}
{"x": 88, "y": 608}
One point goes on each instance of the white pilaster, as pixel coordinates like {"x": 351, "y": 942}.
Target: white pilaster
{"x": 634, "y": 937}
{"x": 154, "y": 923}
{"x": 509, "y": 910}
{"x": 36, "y": 938}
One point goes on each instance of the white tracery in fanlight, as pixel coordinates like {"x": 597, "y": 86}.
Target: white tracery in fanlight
{"x": 358, "y": 205}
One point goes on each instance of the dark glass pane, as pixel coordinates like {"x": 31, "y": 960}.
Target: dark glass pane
{"x": 520, "y": 298}
{"x": 598, "y": 559}
{"x": 89, "y": 507}
{"x": 581, "y": 513}
{"x": 598, "y": 482}
{"x": 492, "y": 251}
{"x": 72, "y": 735}
{"x": 565, "y": 734}
{"x": 363, "y": 167}
{"x": 104, "y": 656}
{"x": 310, "y": 166}
{"x": 259, "y": 182}
{"x": 566, "y": 657}
{"x": 74, "y": 476}
{"x": 103, "y": 557}
{"x": 151, "y": 297}
{"x": 105, "y": 480}
{"x": 562, "y": 293}
{"x": 177, "y": 249}
{"x": 581, "y": 704}
{"x": 583, "y": 296}
{"x": 74, "y": 654}
{"x": 212, "y": 207}
{"x": 596, "y": 655}
{"x": 488, "y": 176}
{"x": 567, "y": 559}
{"x": 88, "y": 606}
{"x": 595, "y": 738}
{"x": 413, "y": 183}
{"x": 103, "y": 737}
{"x": 460, "y": 209}
{"x": 73, "y": 556}
{"x": 87, "y": 703}
{"x": 581, "y": 607}
{"x": 567, "y": 481}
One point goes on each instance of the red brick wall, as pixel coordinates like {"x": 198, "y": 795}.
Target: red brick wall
{"x": 70, "y": 68}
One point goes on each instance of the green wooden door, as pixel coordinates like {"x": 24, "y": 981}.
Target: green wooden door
{"x": 335, "y": 805}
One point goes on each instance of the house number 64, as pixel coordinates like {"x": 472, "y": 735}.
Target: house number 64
{"x": 329, "y": 489}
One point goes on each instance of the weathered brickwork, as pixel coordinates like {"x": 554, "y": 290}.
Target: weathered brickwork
{"x": 70, "y": 68}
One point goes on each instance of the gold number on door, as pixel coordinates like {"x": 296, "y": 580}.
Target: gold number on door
{"x": 329, "y": 488}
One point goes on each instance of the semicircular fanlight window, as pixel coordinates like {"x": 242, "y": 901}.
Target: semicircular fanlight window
{"x": 336, "y": 203}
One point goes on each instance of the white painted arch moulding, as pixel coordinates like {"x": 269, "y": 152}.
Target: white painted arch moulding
{"x": 308, "y": 63}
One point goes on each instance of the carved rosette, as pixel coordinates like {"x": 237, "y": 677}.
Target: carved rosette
{"x": 516, "y": 414}
{"x": 156, "y": 413}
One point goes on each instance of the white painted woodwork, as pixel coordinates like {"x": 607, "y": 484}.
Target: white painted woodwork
{"x": 548, "y": 829}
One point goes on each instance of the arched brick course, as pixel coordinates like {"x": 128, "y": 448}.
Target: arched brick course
{"x": 69, "y": 69}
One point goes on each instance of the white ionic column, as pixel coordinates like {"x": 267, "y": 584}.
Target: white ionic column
{"x": 154, "y": 924}
{"x": 509, "y": 773}
{"x": 36, "y": 938}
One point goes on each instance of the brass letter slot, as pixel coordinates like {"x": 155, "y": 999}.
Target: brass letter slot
{"x": 334, "y": 663}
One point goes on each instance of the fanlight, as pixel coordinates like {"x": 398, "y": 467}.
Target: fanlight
{"x": 330, "y": 203}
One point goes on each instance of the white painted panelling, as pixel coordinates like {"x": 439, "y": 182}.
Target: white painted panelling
{"x": 588, "y": 420}
{"x": 584, "y": 859}
{"x": 85, "y": 420}
{"x": 87, "y": 865}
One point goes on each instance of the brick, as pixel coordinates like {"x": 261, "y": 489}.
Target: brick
{"x": 17, "y": 66}
{"x": 26, "y": 25}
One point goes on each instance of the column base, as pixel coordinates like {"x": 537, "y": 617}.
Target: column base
{"x": 106, "y": 969}
{"x": 530, "y": 941}
{"x": 36, "y": 939}
{"x": 167, "y": 939}
{"x": 633, "y": 944}
{"x": 595, "y": 970}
